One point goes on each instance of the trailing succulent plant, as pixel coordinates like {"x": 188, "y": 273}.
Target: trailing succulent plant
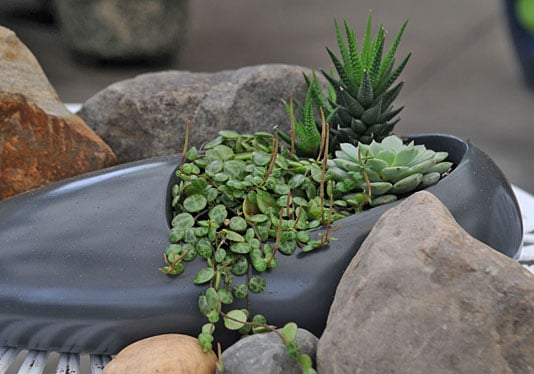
{"x": 386, "y": 170}
{"x": 245, "y": 199}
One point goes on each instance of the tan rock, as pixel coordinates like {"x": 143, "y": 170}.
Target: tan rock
{"x": 169, "y": 353}
{"x": 40, "y": 140}
{"x": 423, "y": 296}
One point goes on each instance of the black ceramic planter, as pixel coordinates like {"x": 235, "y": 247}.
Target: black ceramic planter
{"x": 79, "y": 259}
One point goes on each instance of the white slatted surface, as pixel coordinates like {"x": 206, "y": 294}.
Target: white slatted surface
{"x": 35, "y": 362}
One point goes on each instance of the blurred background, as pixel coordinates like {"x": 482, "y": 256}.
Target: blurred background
{"x": 464, "y": 77}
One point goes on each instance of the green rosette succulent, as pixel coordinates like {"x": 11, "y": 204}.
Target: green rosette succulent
{"x": 385, "y": 170}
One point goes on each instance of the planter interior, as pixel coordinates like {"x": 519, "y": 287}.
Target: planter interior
{"x": 80, "y": 258}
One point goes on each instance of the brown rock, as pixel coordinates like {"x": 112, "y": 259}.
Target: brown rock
{"x": 40, "y": 140}
{"x": 422, "y": 296}
{"x": 170, "y": 353}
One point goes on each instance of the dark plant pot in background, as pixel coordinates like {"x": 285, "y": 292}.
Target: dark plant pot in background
{"x": 123, "y": 31}
{"x": 523, "y": 42}
{"x": 79, "y": 259}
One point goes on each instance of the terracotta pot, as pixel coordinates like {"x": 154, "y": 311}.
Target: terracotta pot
{"x": 79, "y": 259}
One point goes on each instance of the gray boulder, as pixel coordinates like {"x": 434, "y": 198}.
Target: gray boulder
{"x": 422, "y": 296}
{"x": 266, "y": 354}
{"x": 146, "y": 116}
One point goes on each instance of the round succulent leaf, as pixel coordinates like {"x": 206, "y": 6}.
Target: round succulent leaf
{"x": 183, "y": 221}
{"x": 281, "y": 189}
{"x": 240, "y": 266}
{"x": 240, "y": 291}
{"x": 349, "y": 152}
{"x": 407, "y": 184}
{"x": 289, "y": 331}
{"x": 377, "y": 188}
{"x": 232, "y": 236}
{"x": 221, "y": 177}
{"x": 296, "y": 181}
{"x": 235, "y": 319}
{"x": 265, "y": 201}
{"x": 204, "y": 276}
{"x": 225, "y": 295}
{"x": 176, "y": 235}
{"x": 288, "y": 247}
{"x": 257, "y": 284}
{"x": 214, "y": 167}
{"x": 220, "y": 255}
{"x": 238, "y": 224}
{"x": 261, "y": 158}
{"x": 195, "y": 203}
{"x": 204, "y": 248}
{"x": 235, "y": 168}
{"x": 258, "y": 218}
{"x": 229, "y": 134}
{"x": 218, "y": 214}
{"x": 241, "y": 248}
{"x": 203, "y": 305}
{"x": 219, "y": 152}
{"x": 212, "y": 298}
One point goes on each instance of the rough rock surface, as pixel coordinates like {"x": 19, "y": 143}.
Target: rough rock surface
{"x": 266, "y": 354}
{"x": 422, "y": 296}
{"x": 123, "y": 29}
{"x": 169, "y": 353}
{"x": 146, "y": 116}
{"x": 40, "y": 140}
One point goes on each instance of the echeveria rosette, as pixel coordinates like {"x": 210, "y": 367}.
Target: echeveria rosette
{"x": 388, "y": 169}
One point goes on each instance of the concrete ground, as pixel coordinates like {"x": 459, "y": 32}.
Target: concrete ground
{"x": 463, "y": 77}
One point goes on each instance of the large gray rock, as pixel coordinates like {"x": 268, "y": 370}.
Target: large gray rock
{"x": 266, "y": 354}
{"x": 145, "y": 116}
{"x": 422, "y": 296}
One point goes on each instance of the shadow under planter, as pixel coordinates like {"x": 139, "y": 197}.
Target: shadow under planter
{"x": 79, "y": 259}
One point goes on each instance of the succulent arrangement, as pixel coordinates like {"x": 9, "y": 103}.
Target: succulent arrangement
{"x": 245, "y": 199}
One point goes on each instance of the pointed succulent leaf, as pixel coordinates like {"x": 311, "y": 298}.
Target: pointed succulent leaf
{"x": 395, "y": 173}
{"x": 405, "y": 156}
{"x": 366, "y": 46}
{"x": 387, "y": 155}
{"x": 372, "y": 114}
{"x": 388, "y": 115}
{"x": 354, "y": 54}
{"x": 407, "y": 184}
{"x": 395, "y": 73}
{"x": 377, "y": 188}
{"x": 343, "y": 49}
{"x": 389, "y": 96}
{"x": 358, "y": 126}
{"x": 376, "y": 58}
{"x": 365, "y": 92}
{"x": 384, "y": 199}
{"x": 350, "y": 151}
{"x": 440, "y": 156}
{"x": 340, "y": 69}
{"x": 441, "y": 168}
{"x": 376, "y": 164}
{"x": 388, "y": 60}
{"x": 423, "y": 166}
{"x": 429, "y": 179}
{"x": 353, "y": 106}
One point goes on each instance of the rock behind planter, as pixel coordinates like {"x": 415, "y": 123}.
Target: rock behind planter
{"x": 146, "y": 116}
{"x": 422, "y": 296}
{"x": 123, "y": 30}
